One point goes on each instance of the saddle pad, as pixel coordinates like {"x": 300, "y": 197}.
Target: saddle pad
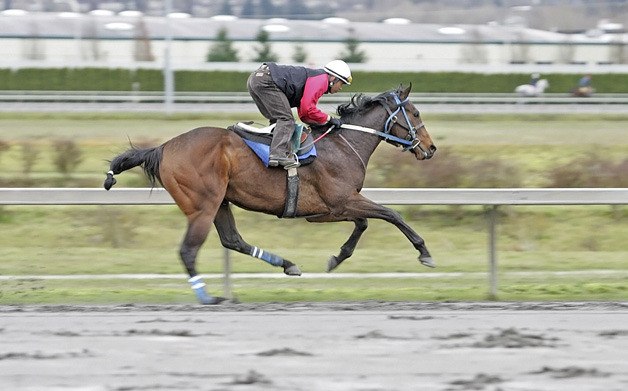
{"x": 260, "y": 144}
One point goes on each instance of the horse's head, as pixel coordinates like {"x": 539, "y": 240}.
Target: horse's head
{"x": 392, "y": 117}
{"x": 405, "y": 124}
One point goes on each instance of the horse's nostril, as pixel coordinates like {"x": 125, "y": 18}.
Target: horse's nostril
{"x": 433, "y": 148}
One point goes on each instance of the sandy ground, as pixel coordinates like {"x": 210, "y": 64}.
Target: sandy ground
{"x": 316, "y": 346}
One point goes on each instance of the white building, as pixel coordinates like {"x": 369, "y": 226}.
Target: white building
{"x": 105, "y": 39}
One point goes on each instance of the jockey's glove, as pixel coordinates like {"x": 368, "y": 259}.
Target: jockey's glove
{"x": 335, "y": 122}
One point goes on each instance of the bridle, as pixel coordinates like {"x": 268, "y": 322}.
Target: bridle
{"x": 411, "y": 140}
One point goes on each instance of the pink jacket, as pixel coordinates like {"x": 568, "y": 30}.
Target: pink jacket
{"x": 315, "y": 87}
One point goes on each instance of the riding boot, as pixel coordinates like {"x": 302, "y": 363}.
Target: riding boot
{"x": 280, "y": 146}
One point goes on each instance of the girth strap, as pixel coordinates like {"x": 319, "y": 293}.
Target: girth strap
{"x": 292, "y": 193}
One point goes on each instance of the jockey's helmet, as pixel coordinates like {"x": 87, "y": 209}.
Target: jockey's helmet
{"x": 340, "y": 69}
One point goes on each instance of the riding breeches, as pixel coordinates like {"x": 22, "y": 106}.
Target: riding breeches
{"x": 274, "y": 105}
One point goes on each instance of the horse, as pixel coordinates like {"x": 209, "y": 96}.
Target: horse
{"x": 582, "y": 92}
{"x": 532, "y": 90}
{"x": 207, "y": 169}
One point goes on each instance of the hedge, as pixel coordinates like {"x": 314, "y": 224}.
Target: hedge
{"x": 102, "y": 79}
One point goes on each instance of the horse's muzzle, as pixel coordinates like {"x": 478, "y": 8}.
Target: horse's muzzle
{"x": 423, "y": 154}
{"x": 431, "y": 152}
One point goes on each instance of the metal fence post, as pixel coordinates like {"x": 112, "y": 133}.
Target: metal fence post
{"x": 227, "y": 292}
{"x": 492, "y": 275}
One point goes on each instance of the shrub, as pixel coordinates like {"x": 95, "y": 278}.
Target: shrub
{"x": 445, "y": 169}
{"x": 4, "y": 146}
{"x": 490, "y": 173}
{"x": 67, "y": 156}
{"x": 590, "y": 171}
{"x": 30, "y": 153}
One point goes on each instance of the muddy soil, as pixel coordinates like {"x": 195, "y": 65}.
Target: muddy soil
{"x": 316, "y": 346}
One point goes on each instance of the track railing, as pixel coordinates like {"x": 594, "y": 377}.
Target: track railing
{"x": 244, "y": 97}
{"x": 492, "y": 198}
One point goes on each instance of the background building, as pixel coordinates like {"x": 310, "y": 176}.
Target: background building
{"x": 137, "y": 34}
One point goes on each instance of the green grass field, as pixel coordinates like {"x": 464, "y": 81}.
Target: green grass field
{"x": 144, "y": 239}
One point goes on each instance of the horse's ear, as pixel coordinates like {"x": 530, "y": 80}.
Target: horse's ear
{"x": 405, "y": 92}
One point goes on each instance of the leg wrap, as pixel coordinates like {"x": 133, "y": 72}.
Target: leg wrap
{"x": 198, "y": 286}
{"x": 266, "y": 256}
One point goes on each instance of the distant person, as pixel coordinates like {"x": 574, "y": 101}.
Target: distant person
{"x": 534, "y": 78}
{"x": 584, "y": 86}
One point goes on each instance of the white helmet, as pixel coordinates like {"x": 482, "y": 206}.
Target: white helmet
{"x": 340, "y": 69}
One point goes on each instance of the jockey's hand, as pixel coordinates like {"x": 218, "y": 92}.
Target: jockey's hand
{"x": 336, "y": 123}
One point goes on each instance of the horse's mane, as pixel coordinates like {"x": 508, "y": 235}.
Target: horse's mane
{"x": 360, "y": 104}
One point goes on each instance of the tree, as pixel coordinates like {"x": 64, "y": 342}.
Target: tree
{"x": 222, "y": 50}
{"x": 352, "y": 53}
{"x": 475, "y": 51}
{"x": 143, "y": 50}
{"x": 299, "y": 54}
{"x": 264, "y": 52}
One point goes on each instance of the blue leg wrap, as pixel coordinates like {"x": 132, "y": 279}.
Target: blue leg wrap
{"x": 198, "y": 286}
{"x": 267, "y": 257}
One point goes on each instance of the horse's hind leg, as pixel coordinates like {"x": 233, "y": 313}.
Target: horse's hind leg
{"x": 198, "y": 228}
{"x": 231, "y": 239}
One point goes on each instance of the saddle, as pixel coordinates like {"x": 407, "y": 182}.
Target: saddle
{"x": 259, "y": 139}
{"x": 302, "y": 143}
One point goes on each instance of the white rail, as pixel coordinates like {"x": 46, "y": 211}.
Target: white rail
{"x": 244, "y": 97}
{"x": 389, "y": 196}
{"x": 490, "y": 197}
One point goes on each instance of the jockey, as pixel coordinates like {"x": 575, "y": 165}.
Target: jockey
{"x": 275, "y": 89}
{"x": 534, "y": 78}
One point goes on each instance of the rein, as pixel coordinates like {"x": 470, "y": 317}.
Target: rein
{"x": 410, "y": 142}
{"x": 384, "y": 135}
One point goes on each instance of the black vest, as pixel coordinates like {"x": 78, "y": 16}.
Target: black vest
{"x": 291, "y": 80}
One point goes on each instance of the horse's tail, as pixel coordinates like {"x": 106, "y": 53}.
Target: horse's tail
{"x": 148, "y": 158}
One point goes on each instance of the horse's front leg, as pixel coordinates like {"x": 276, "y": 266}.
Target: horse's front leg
{"x": 361, "y": 207}
{"x": 231, "y": 239}
{"x": 346, "y": 250}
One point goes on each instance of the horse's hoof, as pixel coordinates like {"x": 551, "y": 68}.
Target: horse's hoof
{"x": 427, "y": 261}
{"x": 292, "y": 270}
{"x": 213, "y": 300}
{"x": 332, "y": 263}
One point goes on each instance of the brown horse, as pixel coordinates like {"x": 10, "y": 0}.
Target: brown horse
{"x": 206, "y": 169}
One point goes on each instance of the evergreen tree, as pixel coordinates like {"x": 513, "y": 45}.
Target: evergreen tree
{"x": 299, "y": 54}
{"x": 264, "y": 51}
{"x": 222, "y": 50}
{"x": 143, "y": 51}
{"x": 352, "y": 53}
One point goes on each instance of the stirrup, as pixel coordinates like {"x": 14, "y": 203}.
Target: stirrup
{"x": 293, "y": 165}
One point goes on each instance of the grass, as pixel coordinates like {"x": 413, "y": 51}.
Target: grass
{"x": 289, "y": 289}
{"x": 80, "y": 240}
{"x": 145, "y": 239}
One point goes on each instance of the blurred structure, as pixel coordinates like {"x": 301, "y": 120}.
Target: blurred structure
{"x": 130, "y": 33}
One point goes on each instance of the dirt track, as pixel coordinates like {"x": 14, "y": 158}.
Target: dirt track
{"x": 306, "y": 346}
